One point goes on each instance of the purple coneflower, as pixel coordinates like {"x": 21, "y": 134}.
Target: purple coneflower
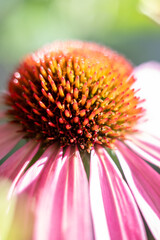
{"x": 87, "y": 165}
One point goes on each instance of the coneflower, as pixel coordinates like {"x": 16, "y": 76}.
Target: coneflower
{"x": 75, "y": 102}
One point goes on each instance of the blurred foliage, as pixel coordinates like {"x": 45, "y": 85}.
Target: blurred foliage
{"x": 151, "y": 9}
{"x": 7, "y": 207}
{"x": 16, "y": 214}
{"x": 26, "y": 25}
{"x": 23, "y": 220}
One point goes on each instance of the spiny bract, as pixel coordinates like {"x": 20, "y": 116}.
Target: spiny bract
{"x": 74, "y": 92}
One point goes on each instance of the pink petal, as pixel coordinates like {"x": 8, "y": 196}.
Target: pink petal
{"x": 149, "y": 143}
{"x": 145, "y": 186}
{"x": 3, "y": 95}
{"x": 36, "y": 175}
{"x": 18, "y": 161}
{"x": 148, "y": 149}
{"x": 115, "y": 214}
{"x": 3, "y": 115}
{"x": 9, "y": 137}
{"x": 65, "y": 201}
{"x": 148, "y": 80}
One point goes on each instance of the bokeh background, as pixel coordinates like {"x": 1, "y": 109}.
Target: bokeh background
{"x": 129, "y": 26}
{"x": 132, "y": 27}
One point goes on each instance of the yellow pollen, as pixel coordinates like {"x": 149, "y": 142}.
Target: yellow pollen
{"x": 74, "y": 93}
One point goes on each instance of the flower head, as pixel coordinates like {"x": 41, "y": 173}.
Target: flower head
{"x": 75, "y": 105}
{"x": 74, "y": 93}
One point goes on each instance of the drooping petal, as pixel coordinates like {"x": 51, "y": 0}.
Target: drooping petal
{"x": 146, "y": 149}
{"x": 3, "y": 115}
{"x": 148, "y": 80}
{"x": 65, "y": 201}
{"x": 3, "y": 95}
{"x": 9, "y": 137}
{"x": 148, "y": 143}
{"x": 36, "y": 175}
{"x": 145, "y": 186}
{"x": 17, "y": 162}
{"x": 114, "y": 211}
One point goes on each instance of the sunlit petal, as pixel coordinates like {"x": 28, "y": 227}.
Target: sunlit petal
{"x": 38, "y": 172}
{"x": 148, "y": 81}
{"x": 145, "y": 185}
{"x": 18, "y": 161}
{"x": 115, "y": 214}
{"x": 65, "y": 201}
{"x": 147, "y": 149}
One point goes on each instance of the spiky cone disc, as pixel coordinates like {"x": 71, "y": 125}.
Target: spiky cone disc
{"x": 74, "y": 92}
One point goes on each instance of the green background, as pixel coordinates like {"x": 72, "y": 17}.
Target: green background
{"x": 26, "y": 25}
